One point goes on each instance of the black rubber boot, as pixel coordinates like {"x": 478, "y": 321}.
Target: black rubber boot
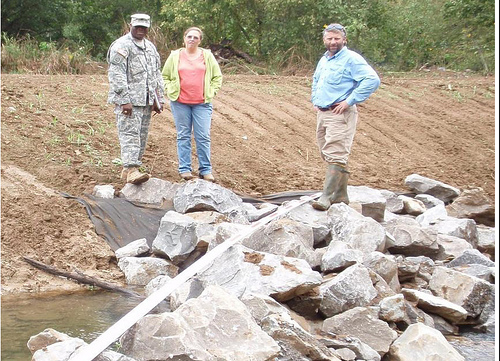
{"x": 340, "y": 195}
{"x": 334, "y": 189}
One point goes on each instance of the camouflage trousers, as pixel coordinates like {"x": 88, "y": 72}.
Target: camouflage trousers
{"x": 133, "y": 134}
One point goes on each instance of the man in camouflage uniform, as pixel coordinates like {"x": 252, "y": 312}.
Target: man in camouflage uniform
{"x": 136, "y": 89}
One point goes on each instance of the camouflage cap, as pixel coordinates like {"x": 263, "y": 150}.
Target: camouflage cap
{"x": 140, "y": 20}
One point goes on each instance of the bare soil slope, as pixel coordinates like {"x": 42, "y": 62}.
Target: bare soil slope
{"x": 58, "y": 135}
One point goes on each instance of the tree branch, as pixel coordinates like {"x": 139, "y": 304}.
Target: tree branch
{"x": 80, "y": 277}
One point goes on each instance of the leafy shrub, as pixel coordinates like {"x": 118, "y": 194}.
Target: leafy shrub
{"x": 27, "y": 55}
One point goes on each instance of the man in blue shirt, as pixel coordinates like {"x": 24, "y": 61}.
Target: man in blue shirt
{"x": 342, "y": 79}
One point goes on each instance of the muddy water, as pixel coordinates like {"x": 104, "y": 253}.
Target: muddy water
{"x": 87, "y": 315}
{"x": 83, "y": 315}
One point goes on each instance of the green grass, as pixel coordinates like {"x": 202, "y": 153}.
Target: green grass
{"x": 27, "y": 55}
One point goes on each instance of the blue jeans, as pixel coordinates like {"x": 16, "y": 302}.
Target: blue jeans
{"x": 197, "y": 119}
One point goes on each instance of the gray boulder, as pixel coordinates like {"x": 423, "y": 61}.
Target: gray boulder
{"x": 201, "y": 195}
{"x": 364, "y": 324}
{"x": 440, "y": 190}
{"x": 475, "y": 204}
{"x": 420, "y": 342}
{"x": 350, "y": 288}
{"x": 155, "y": 191}
{"x": 360, "y": 232}
{"x": 214, "y": 326}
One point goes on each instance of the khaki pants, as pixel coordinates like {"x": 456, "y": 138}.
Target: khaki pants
{"x": 335, "y": 134}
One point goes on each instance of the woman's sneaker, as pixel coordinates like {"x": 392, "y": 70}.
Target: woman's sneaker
{"x": 187, "y": 176}
{"x": 208, "y": 177}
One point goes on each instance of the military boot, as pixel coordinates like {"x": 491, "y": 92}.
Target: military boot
{"x": 334, "y": 189}
{"x": 135, "y": 176}
{"x": 124, "y": 174}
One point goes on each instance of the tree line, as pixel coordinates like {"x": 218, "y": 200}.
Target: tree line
{"x": 397, "y": 35}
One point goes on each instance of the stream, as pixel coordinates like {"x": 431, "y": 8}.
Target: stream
{"x": 84, "y": 315}
{"x": 87, "y": 314}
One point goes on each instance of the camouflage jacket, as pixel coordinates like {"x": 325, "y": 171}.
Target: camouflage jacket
{"x": 134, "y": 72}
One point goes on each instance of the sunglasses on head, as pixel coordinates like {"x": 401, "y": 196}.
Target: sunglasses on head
{"x": 336, "y": 27}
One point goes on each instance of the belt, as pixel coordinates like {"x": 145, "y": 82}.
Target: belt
{"x": 331, "y": 107}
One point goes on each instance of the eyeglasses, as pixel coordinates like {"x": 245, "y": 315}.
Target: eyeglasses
{"x": 335, "y": 27}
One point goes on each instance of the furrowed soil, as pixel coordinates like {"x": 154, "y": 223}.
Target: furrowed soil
{"x": 59, "y": 135}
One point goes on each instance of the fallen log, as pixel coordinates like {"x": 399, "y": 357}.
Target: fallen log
{"x": 82, "y": 278}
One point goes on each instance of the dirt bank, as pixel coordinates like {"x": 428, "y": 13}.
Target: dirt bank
{"x": 58, "y": 135}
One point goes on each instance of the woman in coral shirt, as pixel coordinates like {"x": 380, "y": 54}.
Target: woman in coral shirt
{"x": 192, "y": 77}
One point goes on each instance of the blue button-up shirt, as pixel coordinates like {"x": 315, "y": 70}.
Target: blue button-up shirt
{"x": 344, "y": 76}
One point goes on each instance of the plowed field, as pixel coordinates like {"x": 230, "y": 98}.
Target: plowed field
{"x": 58, "y": 135}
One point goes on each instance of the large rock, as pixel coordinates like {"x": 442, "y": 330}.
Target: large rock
{"x": 461, "y": 228}
{"x": 469, "y": 257}
{"x": 295, "y": 342}
{"x": 408, "y": 268}
{"x": 318, "y": 221}
{"x": 385, "y": 266}
{"x": 45, "y": 338}
{"x": 176, "y": 237}
{"x": 440, "y": 190}
{"x": 416, "y": 315}
{"x": 51, "y": 345}
{"x": 425, "y": 266}
{"x": 420, "y": 342}
{"x": 227, "y": 230}
{"x": 339, "y": 256}
{"x": 431, "y": 215}
{"x": 214, "y": 326}
{"x": 381, "y": 286}
{"x": 360, "y": 232}
{"x": 362, "y": 323}
{"x": 394, "y": 204}
{"x": 141, "y": 270}
{"x": 475, "y": 204}
{"x": 155, "y": 191}
{"x": 410, "y": 239}
{"x": 393, "y": 308}
{"x": 470, "y": 292}
{"x": 60, "y": 351}
{"x": 437, "y": 305}
{"x": 412, "y": 206}
{"x": 133, "y": 249}
{"x": 190, "y": 289}
{"x": 261, "y": 306}
{"x": 200, "y": 195}
{"x": 284, "y": 237}
{"x": 372, "y": 201}
{"x": 254, "y": 213}
{"x": 429, "y": 201}
{"x": 451, "y": 247}
{"x": 350, "y": 288}
{"x": 241, "y": 270}
{"x": 486, "y": 240}
{"x": 477, "y": 270}
{"x": 104, "y": 191}
{"x": 360, "y": 349}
